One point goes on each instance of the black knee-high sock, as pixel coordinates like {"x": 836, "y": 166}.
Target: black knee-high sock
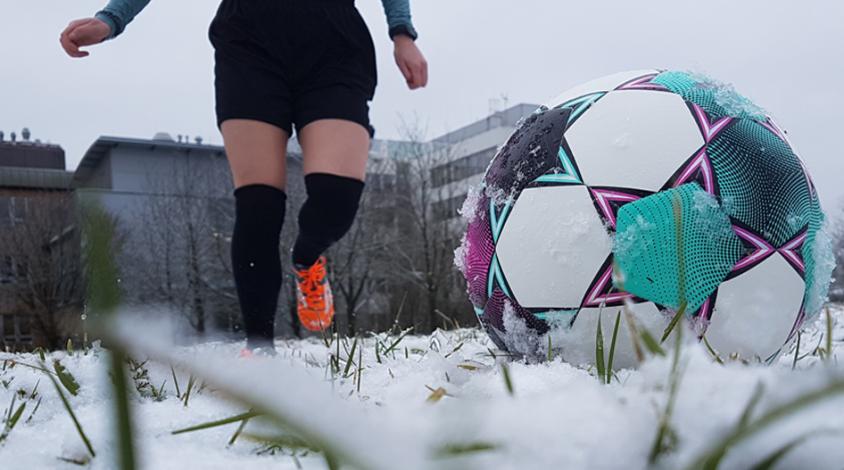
{"x": 256, "y": 262}
{"x": 327, "y": 214}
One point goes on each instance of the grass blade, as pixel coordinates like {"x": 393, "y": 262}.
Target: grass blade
{"x": 70, "y": 412}
{"x": 666, "y": 438}
{"x": 216, "y": 423}
{"x": 12, "y": 419}
{"x": 634, "y": 335}
{"x": 674, "y": 321}
{"x": 284, "y": 442}
{"x": 796, "y": 352}
{"x": 66, "y": 378}
{"x": 397, "y": 341}
{"x": 650, "y": 343}
{"x": 612, "y": 346}
{"x": 508, "y": 381}
{"x": 37, "y": 405}
{"x": 712, "y": 351}
{"x": 599, "y": 350}
{"x": 238, "y": 431}
{"x": 747, "y": 413}
{"x": 828, "y": 335}
{"x": 774, "y": 457}
{"x": 122, "y": 410}
{"x": 176, "y": 382}
{"x": 350, "y": 357}
{"x": 191, "y": 383}
{"x": 711, "y": 459}
{"x": 456, "y": 450}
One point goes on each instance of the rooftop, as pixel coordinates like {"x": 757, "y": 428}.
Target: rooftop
{"x": 28, "y": 153}
{"x": 34, "y": 178}
{"x": 507, "y": 117}
{"x": 104, "y": 144}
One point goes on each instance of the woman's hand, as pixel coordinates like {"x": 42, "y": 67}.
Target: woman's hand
{"x": 84, "y": 32}
{"x": 411, "y": 62}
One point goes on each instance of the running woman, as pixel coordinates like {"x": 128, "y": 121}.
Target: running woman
{"x": 280, "y": 64}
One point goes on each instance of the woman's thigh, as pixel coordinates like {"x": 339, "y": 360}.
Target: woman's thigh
{"x": 336, "y": 147}
{"x": 256, "y": 151}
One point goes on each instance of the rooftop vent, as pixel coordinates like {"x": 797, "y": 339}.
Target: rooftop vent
{"x": 25, "y": 134}
{"x": 163, "y": 136}
{"x": 2, "y": 136}
{"x": 198, "y": 140}
{"x": 14, "y": 137}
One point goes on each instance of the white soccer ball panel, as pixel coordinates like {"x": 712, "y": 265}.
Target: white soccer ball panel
{"x": 754, "y": 312}
{"x": 633, "y": 139}
{"x": 578, "y": 343}
{"x": 552, "y": 246}
{"x": 603, "y": 84}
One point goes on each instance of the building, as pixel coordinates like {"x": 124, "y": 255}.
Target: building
{"x": 172, "y": 201}
{"x": 465, "y": 154}
{"x": 34, "y": 239}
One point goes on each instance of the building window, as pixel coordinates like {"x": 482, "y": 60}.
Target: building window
{"x": 447, "y": 208}
{"x": 7, "y": 269}
{"x": 462, "y": 168}
{"x": 16, "y": 329}
{"x": 12, "y": 210}
{"x": 18, "y": 210}
{"x": 5, "y": 211}
{"x": 380, "y": 181}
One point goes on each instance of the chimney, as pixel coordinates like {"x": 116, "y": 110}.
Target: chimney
{"x": 198, "y": 140}
{"x": 25, "y": 134}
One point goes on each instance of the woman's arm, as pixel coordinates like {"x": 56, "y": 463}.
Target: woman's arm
{"x": 398, "y": 18}
{"x": 118, "y": 13}
{"x": 408, "y": 57}
{"x": 107, "y": 23}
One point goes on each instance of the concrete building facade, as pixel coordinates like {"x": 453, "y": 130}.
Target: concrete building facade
{"x": 32, "y": 176}
{"x": 466, "y": 152}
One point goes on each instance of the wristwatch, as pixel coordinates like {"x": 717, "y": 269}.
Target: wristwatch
{"x": 405, "y": 29}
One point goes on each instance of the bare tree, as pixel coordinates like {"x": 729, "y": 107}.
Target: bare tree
{"x": 359, "y": 261}
{"x": 425, "y": 256}
{"x": 43, "y": 249}
{"x": 836, "y": 291}
{"x": 180, "y": 251}
{"x": 177, "y": 244}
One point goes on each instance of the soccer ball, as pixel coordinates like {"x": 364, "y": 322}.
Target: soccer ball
{"x": 650, "y": 191}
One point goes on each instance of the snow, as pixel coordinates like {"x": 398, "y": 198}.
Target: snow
{"x": 824, "y": 256}
{"x": 471, "y": 205}
{"x": 559, "y": 415}
{"x": 734, "y": 103}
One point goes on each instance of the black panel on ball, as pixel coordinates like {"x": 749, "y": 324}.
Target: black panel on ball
{"x": 531, "y": 152}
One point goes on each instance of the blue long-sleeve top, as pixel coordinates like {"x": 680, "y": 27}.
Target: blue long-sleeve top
{"x": 119, "y": 13}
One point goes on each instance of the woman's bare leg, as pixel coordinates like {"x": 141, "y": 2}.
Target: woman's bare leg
{"x": 335, "y": 153}
{"x": 256, "y": 153}
{"x": 335, "y": 147}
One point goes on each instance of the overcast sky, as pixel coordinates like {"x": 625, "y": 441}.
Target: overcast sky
{"x": 783, "y": 54}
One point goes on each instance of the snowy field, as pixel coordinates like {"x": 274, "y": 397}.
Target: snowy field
{"x": 429, "y": 402}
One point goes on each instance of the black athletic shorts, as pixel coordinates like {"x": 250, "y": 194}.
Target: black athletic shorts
{"x": 289, "y": 62}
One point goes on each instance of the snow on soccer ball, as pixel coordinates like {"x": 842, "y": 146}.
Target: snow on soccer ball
{"x": 652, "y": 190}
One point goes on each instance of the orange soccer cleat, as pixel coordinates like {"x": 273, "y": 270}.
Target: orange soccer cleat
{"x": 315, "y": 304}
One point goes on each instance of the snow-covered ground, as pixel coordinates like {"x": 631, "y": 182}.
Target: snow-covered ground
{"x": 431, "y": 402}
